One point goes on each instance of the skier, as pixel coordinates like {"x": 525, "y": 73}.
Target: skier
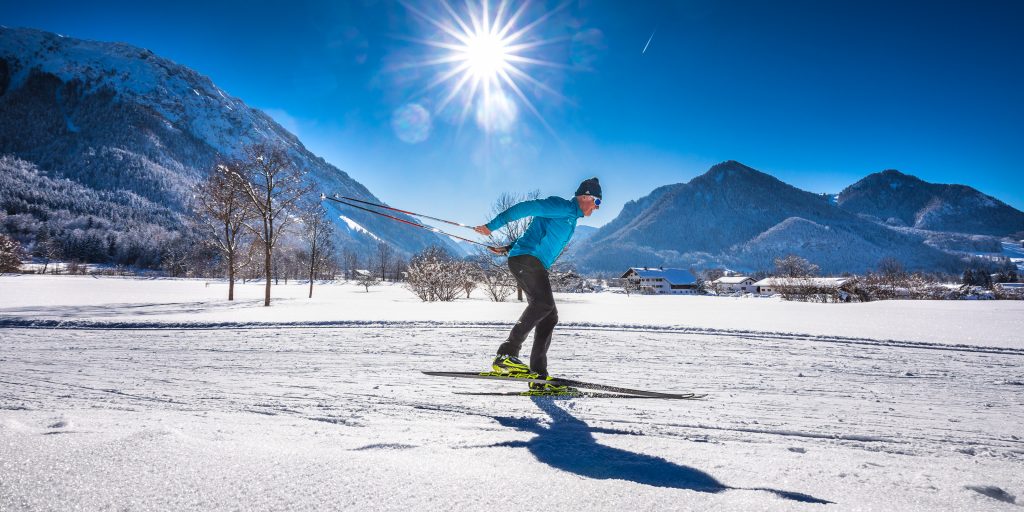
{"x": 529, "y": 258}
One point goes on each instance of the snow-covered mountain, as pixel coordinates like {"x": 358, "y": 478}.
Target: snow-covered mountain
{"x": 736, "y": 216}
{"x": 582, "y": 233}
{"x": 903, "y": 200}
{"x": 118, "y": 118}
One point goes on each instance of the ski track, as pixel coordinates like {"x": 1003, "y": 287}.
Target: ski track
{"x": 952, "y": 398}
{"x": 801, "y": 392}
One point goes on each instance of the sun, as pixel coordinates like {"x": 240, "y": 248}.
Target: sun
{"x": 484, "y": 57}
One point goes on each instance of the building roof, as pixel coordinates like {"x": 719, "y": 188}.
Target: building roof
{"x": 672, "y": 275}
{"x": 730, "y": 279}
{"x": 803, "y": 281}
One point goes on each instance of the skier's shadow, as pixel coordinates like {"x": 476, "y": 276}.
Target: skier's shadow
{"x": 568, "y": 444}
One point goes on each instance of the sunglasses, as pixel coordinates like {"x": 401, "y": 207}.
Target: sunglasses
{"x": 597, "y": 201}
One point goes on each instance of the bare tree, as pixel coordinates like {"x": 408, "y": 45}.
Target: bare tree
{"x": 435, "y": 276}
{"x": 494, "y": 275}
{"x": 176, "y": 257}
{"x": 511, "y": 232}
{"x": 712, "y": 274}
{"x": 469, "y": 278}
{"x": 795, "y": 266}
{"x": 893, "y": 275}
{"x": 700, "y": 283}
{"x": 47, "y": 248}
{"x": 349, "y": 263}
{"x": 316, "y": 233}
{"x": 629, "y": 285}
{"x": 274, "y": 186}
{"x": 366, "y": 280}
{"x": 221, "y": 211}
{"x": 11, "y": 254}
{"x": 399, "y": 266}
{"x": 384, "y": 255}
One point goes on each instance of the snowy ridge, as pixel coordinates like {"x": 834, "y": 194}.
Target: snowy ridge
{"x": 1015, "y": 252}
{"x": 117, "y": 117}
{"x": 900, "y": 199}
{"x": 182, "y": 96}
{"x": 739, "y": 217}
{"x": 443, "y": 324}
{"x": 354, "y": 226}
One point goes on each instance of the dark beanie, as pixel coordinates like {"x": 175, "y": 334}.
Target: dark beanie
{"x": 589, "y": 188}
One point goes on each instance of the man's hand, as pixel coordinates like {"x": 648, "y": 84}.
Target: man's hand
{"x": 500, "y": 251}
{"x": 482, "y": 230}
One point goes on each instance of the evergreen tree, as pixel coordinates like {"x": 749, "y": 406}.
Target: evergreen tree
{"x": 968, "y": 278}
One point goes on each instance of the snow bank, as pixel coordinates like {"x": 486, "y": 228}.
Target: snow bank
{"x": 96, "y": 302}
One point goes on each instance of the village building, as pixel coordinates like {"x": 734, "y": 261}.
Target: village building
{"x": 734, "y": 284}
{"x": 662, "y": 281}
{"x": 789, "y": 284}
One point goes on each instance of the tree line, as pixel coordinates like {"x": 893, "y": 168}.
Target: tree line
{"x": 889, "y": 280}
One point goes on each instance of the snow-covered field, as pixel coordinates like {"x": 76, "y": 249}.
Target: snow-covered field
{"x": 159, "y": 394}
{"x": 1015, "y": 252}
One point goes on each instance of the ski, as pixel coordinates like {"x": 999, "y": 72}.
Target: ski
{"x": 581, "y": 394}
{"x": 561, "y": 382}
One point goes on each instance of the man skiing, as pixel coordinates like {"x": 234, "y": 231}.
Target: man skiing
{"x": 529, "y": 258}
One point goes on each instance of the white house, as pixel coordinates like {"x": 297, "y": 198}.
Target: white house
{"x": 733, "y": 284}
{"x": 780, "y": 284}
{"x": 662, "y": 281}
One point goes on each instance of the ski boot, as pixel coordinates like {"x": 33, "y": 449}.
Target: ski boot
{"x": 509, "y": 366}
{"x": 549, "y": 389}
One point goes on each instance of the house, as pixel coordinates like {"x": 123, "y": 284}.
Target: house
{"x": 662, "y": 281}
{"x": 733, "y": 284}
{"x": 783, "y": 284}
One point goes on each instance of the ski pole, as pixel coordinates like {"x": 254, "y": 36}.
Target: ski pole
{"x": 414, "y": 224}
{"x": 461, "y": 225}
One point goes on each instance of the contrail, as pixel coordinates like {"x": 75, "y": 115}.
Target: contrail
{"x": 648, "y": 43}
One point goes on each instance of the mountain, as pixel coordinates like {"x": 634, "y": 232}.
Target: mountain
{"x": 737, "y": 216}
{"x": 582, "y": 233}
{"x": 139, "y": 130}
{"x": 903, "y": 200}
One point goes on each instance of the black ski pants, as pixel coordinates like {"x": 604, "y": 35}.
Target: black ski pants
{"x": 540, "y": 313}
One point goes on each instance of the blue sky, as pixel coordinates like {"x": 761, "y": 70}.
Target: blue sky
{"x": 818, "y": 94}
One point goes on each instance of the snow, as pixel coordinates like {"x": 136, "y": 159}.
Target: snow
{"x": 671, "y": 275}
{"x": 160, "y": 394}
{"x": 128, "y": 70}
{"x": 87, "y": 301}
{"x": 730, "y": 279}
{"x": 355, "y": 226}
{"x": 803, "y": 281}
{"x": 1015, "y": 251}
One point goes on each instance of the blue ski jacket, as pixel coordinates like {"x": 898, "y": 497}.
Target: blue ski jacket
{"x": 554, "y": 221}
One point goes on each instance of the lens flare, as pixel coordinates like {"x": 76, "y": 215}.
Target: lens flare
{"x": 484, "y": 57}
{"x": 411, "y": 123}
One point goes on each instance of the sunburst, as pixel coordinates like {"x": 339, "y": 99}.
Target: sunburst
{"x": 484, "y": 57}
